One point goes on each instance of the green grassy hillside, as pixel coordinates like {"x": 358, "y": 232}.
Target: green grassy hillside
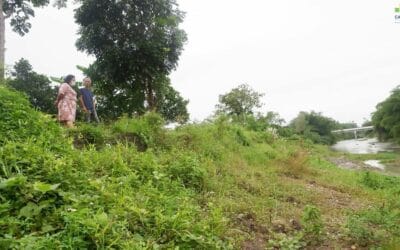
{"x": 135, "y": 185}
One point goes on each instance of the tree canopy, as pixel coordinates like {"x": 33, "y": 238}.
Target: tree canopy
{"x": 386, "y": 118}
{"x": 20, "y": 11}
{"x": 37, "y": 87}
{"x": 240, "y": 101}
{"x": 137, "y": 43}
{"x": 315, "y": 126}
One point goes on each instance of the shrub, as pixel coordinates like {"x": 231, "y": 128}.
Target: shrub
{"x": 56, "y": 197}
{"x": 313, "y": 225}
{"x": 288, "y": 242}
{"x": 19, "y": 121}
{"x": 241, "y": 138}
{"x": 87, "y": 134}
{"x": 188, "y": 170}
{"x": 144, "y": 132}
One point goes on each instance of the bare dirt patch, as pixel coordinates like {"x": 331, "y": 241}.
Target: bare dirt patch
{"x": 343, "y": 162}
{"x": 260, "y": 234}
{"x": 333, "y": 198}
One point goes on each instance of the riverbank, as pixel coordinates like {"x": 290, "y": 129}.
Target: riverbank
{"x": 368, "y": 154}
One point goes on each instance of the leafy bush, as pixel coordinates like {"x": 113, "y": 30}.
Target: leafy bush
{"x": 145, "y": 131}
{"x": 188, "y": 170}
{"x": 313, "y": 224}
{"x": 201, "y": 139}
{"x": 241, "y": 138}
{"x": 19, "y": 121}
{"x": 56, "y": 197}
{"x": 288, "y": 242}
{"x": 87, "y": 134}
{"x": 286, "y": 131}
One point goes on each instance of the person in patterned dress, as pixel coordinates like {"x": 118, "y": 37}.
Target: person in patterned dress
{"x": 66, "y": 102}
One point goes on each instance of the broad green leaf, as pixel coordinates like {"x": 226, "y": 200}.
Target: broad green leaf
{"x": 29, "y": 210}
{"x": 13, "y": 182}
{"x": 44, "y": 187}
{"x": 4, "y": 207}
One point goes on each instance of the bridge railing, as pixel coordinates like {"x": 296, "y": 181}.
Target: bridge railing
{"x": 353, "y": 129}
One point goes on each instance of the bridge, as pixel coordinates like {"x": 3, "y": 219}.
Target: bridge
{"x": 354, "y": 130}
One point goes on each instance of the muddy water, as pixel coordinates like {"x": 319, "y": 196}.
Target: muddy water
{"x": 369, "y": 146}
{"x": 364, "y": 146}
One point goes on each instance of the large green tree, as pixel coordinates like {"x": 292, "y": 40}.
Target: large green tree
{"x": 386, "y": 118}
{"x": 240, "y": 101}
{"x": 315, "y": 126}
{"x": 170, "y": 104}
{"x": 19, "y": 12}
{"x": 37, "y": 87}
{"x": 137, "y": 43}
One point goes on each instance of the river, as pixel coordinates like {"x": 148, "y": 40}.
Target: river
{"x": 369, "y": 146}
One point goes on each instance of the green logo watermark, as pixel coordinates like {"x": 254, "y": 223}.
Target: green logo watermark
{"x": 397, "y": 15}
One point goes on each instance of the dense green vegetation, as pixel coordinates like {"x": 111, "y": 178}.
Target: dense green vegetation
{"x": 386, "y": 118}
{"x": 318, "y": 128}
{"x": 134, "y": 185}
{"x": 237, "y": 180}
{"x": 240, "y": 106}
{"x": 135, "y": 57}
{"x": 239, "y": 102}
{"x": 36, "y": 86}
{"x": 42, "y": 92}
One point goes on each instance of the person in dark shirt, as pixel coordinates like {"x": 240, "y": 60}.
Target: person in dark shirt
{"x": 87, "y": 101}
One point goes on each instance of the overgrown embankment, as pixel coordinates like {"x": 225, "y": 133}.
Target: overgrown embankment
{"x": 135, "y": 185}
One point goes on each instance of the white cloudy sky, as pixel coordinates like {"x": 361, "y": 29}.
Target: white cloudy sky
{"x": 338, "y": 57}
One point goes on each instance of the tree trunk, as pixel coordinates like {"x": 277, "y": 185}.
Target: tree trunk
{"x": 2, "y": 41}
{"x": 150, "y": 96}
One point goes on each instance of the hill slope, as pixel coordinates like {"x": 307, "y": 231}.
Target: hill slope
{"x": 135, "y": 185}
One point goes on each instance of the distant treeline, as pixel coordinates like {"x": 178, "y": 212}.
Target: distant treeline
{"x": 386, "y": 118}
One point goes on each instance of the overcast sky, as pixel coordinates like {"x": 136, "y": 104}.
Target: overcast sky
{"x": 336, "y": 57}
